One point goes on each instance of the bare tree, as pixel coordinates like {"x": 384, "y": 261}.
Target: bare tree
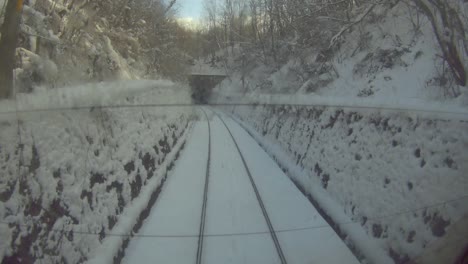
{"x": 450, "y": 33}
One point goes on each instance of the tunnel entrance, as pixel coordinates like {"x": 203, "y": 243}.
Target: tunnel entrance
{"x": 202, "y": 85}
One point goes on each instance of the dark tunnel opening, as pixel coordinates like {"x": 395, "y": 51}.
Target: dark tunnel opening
{"x": 202, "y": 86}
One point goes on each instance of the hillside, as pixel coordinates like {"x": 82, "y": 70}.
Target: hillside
{"x": 391, "y": 56}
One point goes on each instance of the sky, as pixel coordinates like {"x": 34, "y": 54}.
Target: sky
{"x": 190, "y": 9}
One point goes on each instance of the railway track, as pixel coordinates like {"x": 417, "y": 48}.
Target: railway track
{"x": 205, "y": 195}
{"x": 258, "y": 196}
{"x": 233, "y": 222}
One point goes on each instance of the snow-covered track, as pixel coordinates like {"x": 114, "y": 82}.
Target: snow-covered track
{"x": 240, "y": 208}
{"x": 205, "y": 195}
{"x": 257, "y": 194}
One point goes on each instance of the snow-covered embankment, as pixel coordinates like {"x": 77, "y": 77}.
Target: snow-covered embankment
{"x": 73, "y": 178}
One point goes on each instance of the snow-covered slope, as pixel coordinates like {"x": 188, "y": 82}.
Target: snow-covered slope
{"x": 392, "y": 56}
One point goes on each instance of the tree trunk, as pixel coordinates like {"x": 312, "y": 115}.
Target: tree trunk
{"x": 8, "y": 42}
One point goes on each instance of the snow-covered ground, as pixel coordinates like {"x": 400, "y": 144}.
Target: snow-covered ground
{"x": 236, "y": 230}
{"x": 392, "y": 172}
{"x": 71, "y": 177}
